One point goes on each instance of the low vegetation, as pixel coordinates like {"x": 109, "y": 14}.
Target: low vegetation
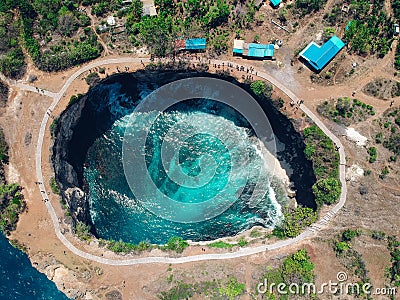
{"x": 346, "y": 111}
{"x": 394, "y": 270}
{"x": 296, "y": 268}
{"x": 370, "y": 31}
{"x": 3, "y": 150}
{"x": 261, "y": 88}
{"x": 326, "y": 191}
{"x": 389, "y": 135}
{"x": 350, "y": 258}
{"x": 54, "y": 33}
{"x": 82, "y": 231}
{"x": 175, "y": 244}
{"x": 214, "y": 20}
{"x": 11, "y": 205}
{"x": 397, "y": 58}
{"x": 305, "y": 7}
{"x": 92, "y": 79}
{"x": 372, "y": 154}
{"x": 382, "y": 88}
{"x": 18, "y": 245}
{"x": 54, "y": 186}
{"x": 54, "y": 127}
{"x": 230, "y": 289}
{"x": 12, "y": 62}
{"x": 75, "y": 98}
{"x": 3, "y": 94}
{"x": 12, "y": 201}
{"x": 294, "y": 221}
{"x": 224, "y": 245}
{"x": 123, "y": 247}
{"x": 321, "y": 151}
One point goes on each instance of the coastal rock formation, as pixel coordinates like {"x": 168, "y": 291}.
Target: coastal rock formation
{"x": 66, "y": 175}
{"x": 73, "y": 283}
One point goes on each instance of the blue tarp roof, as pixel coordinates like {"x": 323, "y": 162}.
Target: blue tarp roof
{"x": 195, "y": 44}
{"x": 320, "y": 56}
{"x": 261, "y": 50}
{"x": 237, "y": 50}
{"x": 275, "y": 3}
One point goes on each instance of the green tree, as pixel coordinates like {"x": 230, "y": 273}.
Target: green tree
{"x": 326, "y": 191}
{"x": 217, "y": 14}
{"x": 294, "y": 221}
{"x": 135, "y": 13}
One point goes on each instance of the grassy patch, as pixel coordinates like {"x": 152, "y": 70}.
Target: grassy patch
{"x": 221, "y": 245}
{"x": 224, "y": 245}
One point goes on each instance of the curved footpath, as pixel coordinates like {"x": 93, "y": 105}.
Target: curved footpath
{"x": 176, "y": 260}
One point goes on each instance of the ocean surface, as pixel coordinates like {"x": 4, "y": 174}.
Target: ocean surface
{"x": 19, "y": 280}
{"x": 206, "y": 167}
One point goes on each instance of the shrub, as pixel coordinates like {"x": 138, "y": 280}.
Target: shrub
{"x": 92, "y": 79}
{"x": 11, "y": 205}
{"x": 54, "y": 127}
{"x": 341, "y": 247}
{"x": 349, "y": 234}
{"x": 82, "y": 231}
{"x": 295, "y": 221}
{"x": 176, "y": 244}
{"x": 232, "y": 289}
{"x": 326, "y": 191}
{"x": 54, "y": 187}
{"x": 372, "y": 154}
{"x": 260, "y": 88}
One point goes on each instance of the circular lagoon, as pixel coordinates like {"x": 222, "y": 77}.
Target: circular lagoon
{"x": 221, "y": 155}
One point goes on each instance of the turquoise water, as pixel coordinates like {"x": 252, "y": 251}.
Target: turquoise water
{"x": 117, "y": 214}
{"x": 19, "y": 280}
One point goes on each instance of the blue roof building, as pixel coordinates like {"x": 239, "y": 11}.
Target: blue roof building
{"x": 319, "y": 56}
{"x": 275, "y": 3}
{"x": 195, "y": 44}
{"x": 253, "y": 50}
{"x": 260, "y": 50}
